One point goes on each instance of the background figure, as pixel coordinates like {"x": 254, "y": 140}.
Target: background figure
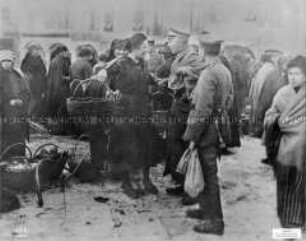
{"x": 153, "y": 59}
{"x": 268, "y": 73}
{"x": 35, "y": 73}
{"x": 287, "y": 114}
{"x": 58, "y": 81}
{"x": 14, "y": 98}
{"x": 82, "y": 69}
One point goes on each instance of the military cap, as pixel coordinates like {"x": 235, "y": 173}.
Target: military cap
{"x": 208, "y": 39}
{"x": 210, "y": 43}
{"x": 177, "y": 32}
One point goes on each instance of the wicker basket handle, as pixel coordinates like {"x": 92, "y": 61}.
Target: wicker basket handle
{"x": 13, "y": 146}
{"x": 42, "y": 146}
{"x": 80, "y": 84}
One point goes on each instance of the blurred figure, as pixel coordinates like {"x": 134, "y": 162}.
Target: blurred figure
{"x": 267, "y": 82}
{"x": 194, "y": 43}
{"x": 14, "y": 98}
{"x": 153, "y": 59}
{"x": 58, "y": 81}
{"x": 34, "y": 69}
{"x": 286, "y": 145}
{"x": 95, "y": 57}
{"x": 82, "y": 69}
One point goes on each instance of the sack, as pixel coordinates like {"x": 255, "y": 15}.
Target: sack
{"x": 183, "y": 163}
{"x": 194, "y": 180}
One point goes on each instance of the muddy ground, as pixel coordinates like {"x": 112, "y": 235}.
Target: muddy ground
{"x": 248, "y": 197}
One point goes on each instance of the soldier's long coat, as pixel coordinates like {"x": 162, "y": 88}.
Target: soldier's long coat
{"x": 214, "y": 90}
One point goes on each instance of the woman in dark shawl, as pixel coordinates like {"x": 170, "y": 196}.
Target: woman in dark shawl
{"x": 131, "y": 148}
{"x": 14, "y": 98}
{"x": 35, "y": 72}
{"x": 58, "y": 81}
{"x": 288, "y": 113}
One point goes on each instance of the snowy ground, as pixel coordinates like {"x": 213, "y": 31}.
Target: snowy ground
{"x": 248, "y": 197}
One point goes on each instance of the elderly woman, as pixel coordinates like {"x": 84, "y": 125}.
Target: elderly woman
{"x": 14, "y": 98}
{"x": 287, "y": 118}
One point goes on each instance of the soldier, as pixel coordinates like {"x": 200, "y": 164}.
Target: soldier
{"x": 213, "y": 94}
{"x": 178, "y": 43}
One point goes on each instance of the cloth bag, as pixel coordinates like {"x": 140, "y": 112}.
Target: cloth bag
{"x": 194, "y": 180}
{"x": 183, "y": 163}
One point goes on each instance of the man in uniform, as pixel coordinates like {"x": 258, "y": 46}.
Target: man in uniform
{"x": 185, "y": 57}
{"x": 213, "y": 95}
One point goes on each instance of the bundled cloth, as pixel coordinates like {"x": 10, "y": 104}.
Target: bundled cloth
{"x": 190, "y": 166}
{"x": 194, "y": 180}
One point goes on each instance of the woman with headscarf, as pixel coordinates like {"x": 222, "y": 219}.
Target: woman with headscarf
{"x": 14, "y": 98}
{"x": 285, "y": 128}
{"x": 58, "y": 81}
{"x": 35, "y": 72}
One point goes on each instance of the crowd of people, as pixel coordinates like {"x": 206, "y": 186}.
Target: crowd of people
{"x": 197, "y": 83}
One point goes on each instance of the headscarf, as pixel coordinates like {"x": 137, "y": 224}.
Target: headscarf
{"x": 7, "y": 54}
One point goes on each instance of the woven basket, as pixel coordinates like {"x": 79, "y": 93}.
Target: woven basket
{"x": 92, "y": 106}
{"x": 21, "y": 179}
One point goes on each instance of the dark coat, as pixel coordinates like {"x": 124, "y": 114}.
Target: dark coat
{"x": 214, "y": 90}
{"x": 13, "y": 128}
{"x": 58, "y": 81}
{"x": 35, "y": 73}
{"x": 274, "y": 81}
{"x": 131, "y": 144}
{"x": 81, "y": 70}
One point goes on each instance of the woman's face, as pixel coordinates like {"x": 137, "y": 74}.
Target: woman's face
{"x": 142, "y": 50}
{"x": 7, "y": 64}
{"x": 296, "y": 77}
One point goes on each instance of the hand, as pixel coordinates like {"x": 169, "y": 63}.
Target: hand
{"x": 101, "y": 76}
{"x": 191, "y": 145}
{"x": 16, "y": 102}
{"x": 162, "y": 82}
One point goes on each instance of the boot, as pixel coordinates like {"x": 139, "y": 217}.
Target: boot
{"x": 210, "y": 227}
{"x": 176, "y": 191}
{"x": 188, "y": 201}
{"x": 195, "y": 213}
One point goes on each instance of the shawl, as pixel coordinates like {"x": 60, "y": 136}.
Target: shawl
{"x": 292, "y": 123}
{"x": 289, "y": 110}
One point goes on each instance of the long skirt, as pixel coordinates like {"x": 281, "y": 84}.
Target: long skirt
{"x": 291, "y": 189}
